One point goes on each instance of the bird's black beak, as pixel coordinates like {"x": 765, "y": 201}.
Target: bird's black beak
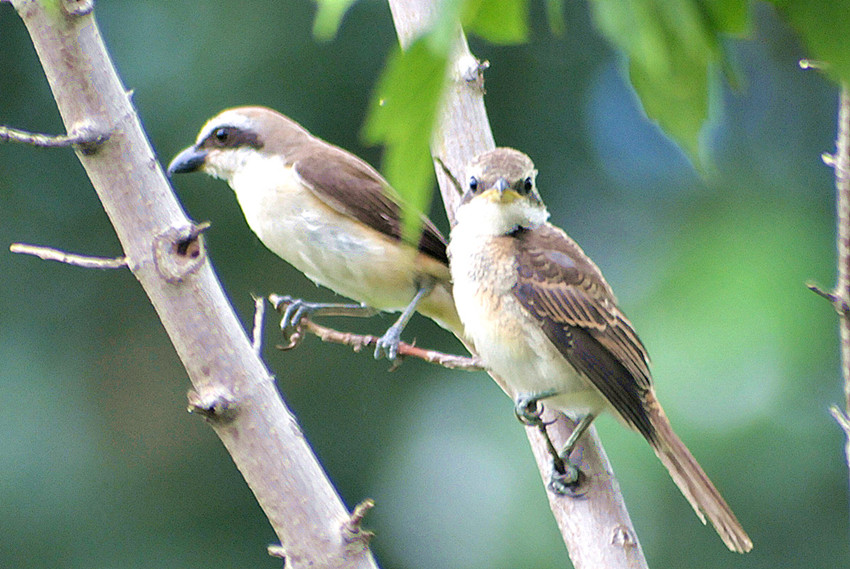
{"x": 501, "y": 185}
{"x": 189, "y": 160}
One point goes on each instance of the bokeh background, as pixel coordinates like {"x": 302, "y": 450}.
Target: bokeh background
{"x": 101, "y": 466}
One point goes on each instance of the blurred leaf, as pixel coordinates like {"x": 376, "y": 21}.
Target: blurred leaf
{"x": 402, "y": 115}
{"x": 672, "y": 48}
{"x": 555, "y": 16}
{"x": 329, "y": 15}
{"x": 729, "y": 16}
{"x": 497, "y": 21}
{"x": 824, "y": 28}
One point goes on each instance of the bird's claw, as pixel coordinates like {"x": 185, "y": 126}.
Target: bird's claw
{"x": 291, "y": 322}
{"x": 570, "y": 482}
{"x": 387, "y": 345}
{"x": 528, "y": 409}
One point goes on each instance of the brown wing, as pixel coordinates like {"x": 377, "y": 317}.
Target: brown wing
{"x": 354, "y": 188}
{"x": 561, "y": 287}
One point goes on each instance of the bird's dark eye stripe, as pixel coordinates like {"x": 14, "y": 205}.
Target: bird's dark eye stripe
{"x": 231, "y": 137}
{"x": 524, "y": 186}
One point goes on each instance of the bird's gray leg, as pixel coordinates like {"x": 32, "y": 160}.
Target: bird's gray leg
{"x": 387, "y": 345}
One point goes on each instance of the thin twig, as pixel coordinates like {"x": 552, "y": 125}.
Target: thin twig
{"x": 352, "y": 528}
{"x": 842, "y": 419}
{"x": 359, "y": 341}
{"x": 50, "y": 254}
{"x": 82, "y": 137}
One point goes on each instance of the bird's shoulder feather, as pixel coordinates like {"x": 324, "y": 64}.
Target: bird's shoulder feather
{"x": 352, "y": 187}
{"x": 566, "y": 293}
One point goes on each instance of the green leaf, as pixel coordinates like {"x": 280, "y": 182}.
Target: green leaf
{"x": 824, "y": 27}
{"x": 402, "y": 115}
{"x": 729, "y": 16}
{"x": 675, "y": 52}
{"x": 497, "y": 21}
{"x": 329, "y": 14}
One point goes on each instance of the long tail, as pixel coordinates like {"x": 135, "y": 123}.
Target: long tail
{"x": 693, "y": 482}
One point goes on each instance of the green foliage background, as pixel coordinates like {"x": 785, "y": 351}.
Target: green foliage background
{"x": 100, "y": 465}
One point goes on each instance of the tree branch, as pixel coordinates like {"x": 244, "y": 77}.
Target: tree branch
{"x": 840, "y": 296}
{"x": 84, "y": 136}
{"x": 359, "y": 341}
{"x": 232, "y": 388}
{"x": 596, "y": 529}
{"x": 50, "y": 254}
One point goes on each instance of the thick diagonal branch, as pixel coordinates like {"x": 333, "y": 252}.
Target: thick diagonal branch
{"x": 232, "y": 388}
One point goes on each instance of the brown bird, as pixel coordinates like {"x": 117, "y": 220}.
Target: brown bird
{"x": 542, "y": 317}
{"x": 327, "y": 213}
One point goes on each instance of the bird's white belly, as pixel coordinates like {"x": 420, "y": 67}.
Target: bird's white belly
{"x": 331, "y": 249}
{"x": 508, "y": 339}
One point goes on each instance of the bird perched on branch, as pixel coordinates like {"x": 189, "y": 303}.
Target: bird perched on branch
{"x": 330, "y": 215}
{"x": 541, "y": 316}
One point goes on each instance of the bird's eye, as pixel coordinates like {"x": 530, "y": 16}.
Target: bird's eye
{"x": 473, "y": 183}
{"x": 528, "y": 184}
{"x": 221, "y": 135}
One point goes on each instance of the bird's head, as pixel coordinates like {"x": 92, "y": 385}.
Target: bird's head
{"x": 501, "y": 193}
{"x": 237, "y": 139}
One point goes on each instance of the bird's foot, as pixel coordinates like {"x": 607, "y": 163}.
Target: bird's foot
{"x": 387, "y": 345}
{"x": 296, "y": 310}
{"x": 528, "y": 411}
{"x": 567, "y": 478}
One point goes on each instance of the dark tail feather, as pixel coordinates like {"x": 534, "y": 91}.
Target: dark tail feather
{"x": 693, "y": 482}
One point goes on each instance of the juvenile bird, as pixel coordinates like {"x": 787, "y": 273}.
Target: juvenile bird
{"x": 541, "y": 316}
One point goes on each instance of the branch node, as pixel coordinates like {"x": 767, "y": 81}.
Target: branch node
{"x": 259, "y": 317}
{"x": 352, "y": 530}
{"x": 77, "y": 7}
{"x": 87, "y": 137}
{"x": 623, "y": 537}
{"x": 179, "y": 252}
{"x": 840, "y": 305}
{"x": 842, "y": 419}
{"x": 213, "y": 404}
{"x": 813, "y": 64}
{"x": 277, "y": 550}
{"x": 828, "y": 159}
{"x": 50, "y": 254}
{"x": 470, "y": 70}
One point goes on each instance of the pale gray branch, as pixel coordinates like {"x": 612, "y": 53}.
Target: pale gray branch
{"x": 232, "y": 388}
{"x": 85, "y": 136}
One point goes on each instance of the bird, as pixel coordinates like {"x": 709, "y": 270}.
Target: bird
{"x": 330, "y": 215}
{"x": 540, "y": 315}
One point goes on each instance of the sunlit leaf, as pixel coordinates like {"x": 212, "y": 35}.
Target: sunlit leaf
{"x": 402, "y": 115}
{"x": 497, "y": 21}
{"x": 674, "y": 53}
{"x": 329, "y": 14}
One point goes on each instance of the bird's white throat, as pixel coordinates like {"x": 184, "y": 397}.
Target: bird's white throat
{"x": 483, "y": 217}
